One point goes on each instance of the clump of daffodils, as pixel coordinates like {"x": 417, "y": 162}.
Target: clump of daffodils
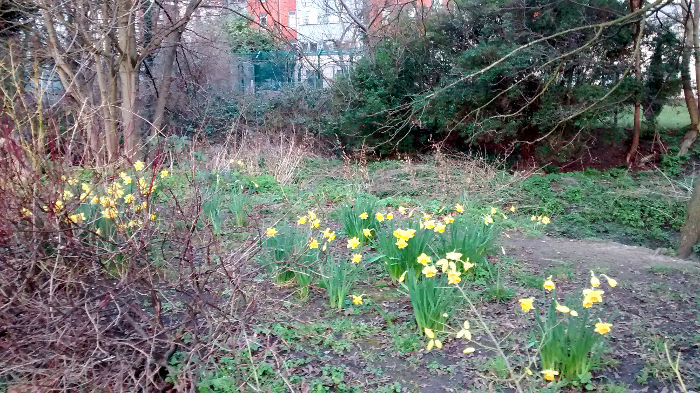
{"x": 569, "y": 345}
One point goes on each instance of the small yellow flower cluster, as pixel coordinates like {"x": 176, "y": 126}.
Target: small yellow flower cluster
{"x": 403, "y": 236}
{"x": 311, "y": 218}
{"x": 384, "y": 216}
{"x": 540, "y": 219}
{"x": 434, "y": 342}
{"x": 466, "y": 334}
{"x": 357, "y": 300}
{"x": 447, "y": 265}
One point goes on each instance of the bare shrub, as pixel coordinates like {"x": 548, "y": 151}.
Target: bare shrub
{"x": 100, "y": 303}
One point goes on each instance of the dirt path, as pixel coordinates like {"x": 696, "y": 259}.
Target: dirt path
{"x": 629, "y": 263}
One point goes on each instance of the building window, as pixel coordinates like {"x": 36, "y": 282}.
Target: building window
{"x": 263, "y": 20}
{"x": 313, "y": 47}
{"x": 293, "y": 19}
{"x": 305, "y": 18}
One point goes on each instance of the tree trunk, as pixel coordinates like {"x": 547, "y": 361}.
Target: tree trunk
{"x": 171, "y": 44}
{"x": 689, "y": 46}
{"x": 690, "y": 233}
{"x": 634, "y": 6}
{"x": 128, "y": 77}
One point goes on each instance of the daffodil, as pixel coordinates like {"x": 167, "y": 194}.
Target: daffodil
{"x": 364, "y": 216}
{"x": 454, "y": 255}
{"x": 573, "y": 313}
{"x": 58, "y": 205}
{"x": 434, "y": 342}
{"x": 526, "y": 304}
{"x": 533, "y": 218}
{"x": 466, "y": 265}
{"x": 353, "y": 243}
{"x": 316, "y": 223}
{"x": 562, "y": 308}
{"x": 429, "y": 224}
{"x": 443, "y": 264}
{"x": 512, "y": 209}
{"x": 128, "y": 198}
{"x": 439, "y": 228}
{"x": 401, "y": 244}
{"x": 602, "y": 328}
{"x": 164, "y": 173}
{"x": 549, "y": 284}
{"x": 612, "y": 283}
{"x": 545, "y": 220}
{"x": 357, "y": 300}
{"x": 403, "y": 276}
{"x": 312, "y": 215}
{"x": 429, "y": 271}
{"x": 67, "y": 194}
{"x": 367, "y": 232}
{"x": 465, "y": 332}
{"x": 494, "y": 210}
{"x": 301, "y": 220}
{"x": 424, "y": 259}
{"x": 468, "y": 350}
{"x": 271, "y": 232}
{"x": 550, "y": 374}
{"x": 356, "y": 258}
{"x": 139, "y": 165}
{"x": 389, "y": 216}
{"x": 25, "y": 212}
{"x": 448, "y": 219}
{"x": 459, "y": 208}
{"x": 488, "y": 220}
{"x": 313, "y": 243}
{"x": 453, "y": 277}
{"x": 379, "y": 217}
{"x": 595, "y": 282}
{"x": 593, "y": 295}
{"x": 402, "y": 210}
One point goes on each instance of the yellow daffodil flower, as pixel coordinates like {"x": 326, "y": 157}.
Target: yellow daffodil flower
{"x": 139, "y": 165}
{"x": 367, "y": 232}
{"x": 379, "y": 217}
{"x": 488, "y": 220}
{"x": 301, "y": 220}
{"x": 403, "y": 276}
{"x": 429, "y": 271}
{"x": 459, "y": 208}
{"x": 389, "y": 216}
{"x": 549, "y": 284}
{"x": 468, "y": 350}
{"x": 454, "y": 255}
{"x": 313, "y": 243}
{"x": 512, "y": 209}
{"x": 424, "y": 259}
{"x": 526, "y": 304}
{"x": 440, "y": 228}
{"x": 401, "y": 244}
{"x": 357, "y": 300}
{"x": 164, "y": 173}
{"x": 573, "y": 313}
{"x": 612, "y": 283}
{"x": 353, "y": 243}
{"x": 364, "y": 216}
{"x": 271, "y": 232}
{"x": 448, "y": 219}
{"x": 402, "y": 210}
{"x": 562, "y": 308}
{"x": 550, "y": 374}
{"x": 602, "y": 327}
{"x": 356, "y": 258}
{"x": 595, "y": 282}
{"x": 453, "y": 277}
